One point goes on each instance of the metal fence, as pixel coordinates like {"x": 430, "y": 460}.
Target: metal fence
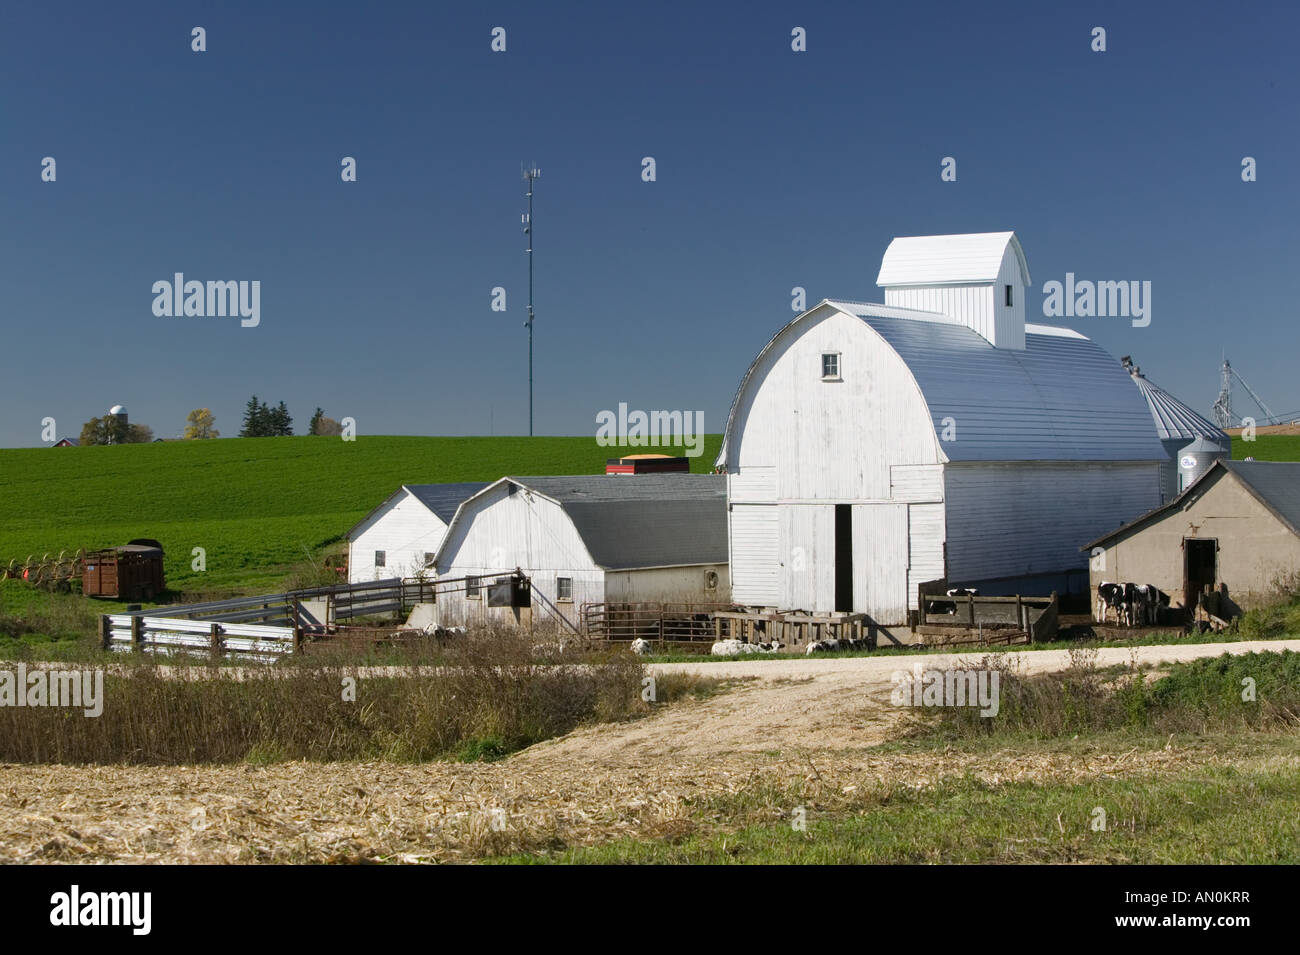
{"x": 649, "y": 621}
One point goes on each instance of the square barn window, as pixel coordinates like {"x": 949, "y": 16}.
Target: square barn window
{"x": 471, "y": 587}
{"x": 428, "y": 559}
{"x": 1008, "y": 295}
{"x": 380, "y": 558}
{"x": 831, "y": 366}
{"x": 564, "y": 588}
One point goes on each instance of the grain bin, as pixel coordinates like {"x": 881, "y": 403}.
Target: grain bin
{"x": 1197, "y": 458}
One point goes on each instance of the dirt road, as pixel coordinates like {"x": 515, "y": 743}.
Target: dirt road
{"x": 805, "y": 725}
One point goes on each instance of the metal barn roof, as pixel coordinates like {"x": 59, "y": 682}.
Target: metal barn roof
{"x": 648, "y": 520}
{"x": 1061, "y": 399}
{"x": 441, "y": 499}
{"x": 1275, "y": 484}
{"x": 1173, "y": 418}
{"x": 973, "y": 258}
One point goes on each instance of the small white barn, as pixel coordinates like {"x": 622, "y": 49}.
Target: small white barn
{"x": 400, "y": 537}
{"x": 938, "y": 436}
{"x": 588, "y": 538}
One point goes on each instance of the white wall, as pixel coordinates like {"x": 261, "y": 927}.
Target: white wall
{"x": 499, "y": 532}
{"x": 980, "y": 307}
{"x": 828, "y": 441}
{"x": 1016, "y": 519}
{"x": 668, "y": 585}
{"x": 405, "y": 529}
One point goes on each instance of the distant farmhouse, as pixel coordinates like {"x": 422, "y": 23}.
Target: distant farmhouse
{"x": 399, "y": 537}
{"x": 938, "y": 436}
{"x": 588, "y": 539}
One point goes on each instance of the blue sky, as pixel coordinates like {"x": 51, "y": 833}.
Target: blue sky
{"x": 775, "y": 169}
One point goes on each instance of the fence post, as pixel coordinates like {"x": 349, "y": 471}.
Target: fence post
{"x": 214, "y": 641}
{"x": 105, "y": 632}
{"x": 137, "y": 632}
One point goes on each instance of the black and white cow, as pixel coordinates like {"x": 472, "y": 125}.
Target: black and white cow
{"x": 1110, "y": 596}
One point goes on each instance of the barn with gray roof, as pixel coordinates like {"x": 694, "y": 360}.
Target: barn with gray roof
{"x": 938, "y": 436}
{"x": 588, "y": 539}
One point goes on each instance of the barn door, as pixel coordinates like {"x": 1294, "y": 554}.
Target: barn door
{"x": 844, "y": 558}
{"x": 1200, "y": 569}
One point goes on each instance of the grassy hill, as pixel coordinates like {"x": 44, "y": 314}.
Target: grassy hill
{"x": 1268, "y": 447}
{"x": 257, "y": 505}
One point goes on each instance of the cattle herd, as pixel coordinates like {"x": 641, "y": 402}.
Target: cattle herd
{"x": 1132, "y": 604}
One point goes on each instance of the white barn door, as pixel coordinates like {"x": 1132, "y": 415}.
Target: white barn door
{"x": 880, "y": 562}
{"x": 755, "y": 577}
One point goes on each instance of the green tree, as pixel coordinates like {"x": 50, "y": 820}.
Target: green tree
{"x": 315, "y": 420}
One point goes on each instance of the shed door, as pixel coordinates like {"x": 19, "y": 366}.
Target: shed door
{"x": 1200, "y": 566}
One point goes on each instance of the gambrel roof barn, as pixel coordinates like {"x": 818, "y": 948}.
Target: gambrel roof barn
{"x": 589, "y": 539}
{"x": 937, "y": 436}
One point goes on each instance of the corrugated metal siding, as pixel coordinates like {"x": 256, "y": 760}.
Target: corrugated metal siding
{"x": 1011, "y": 520}
{"x": 926, "y": 533}
{"x": 807, "y": 550}
{"x": 880, "y": 562}
{"x": 830, "y": 440}
{"x": 752, "y": 483}
{"x": 754, "y": 555}
{"x": 499, "y": 531}
{"x": 971, "y": 306}
{"x": 916, "y": 482}
{"x": 405, "y": 529}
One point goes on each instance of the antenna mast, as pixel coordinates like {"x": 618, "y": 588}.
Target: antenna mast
{"x": 529, "y": 175}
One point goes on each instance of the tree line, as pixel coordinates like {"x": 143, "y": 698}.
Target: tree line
{"x": 260, "y": 421}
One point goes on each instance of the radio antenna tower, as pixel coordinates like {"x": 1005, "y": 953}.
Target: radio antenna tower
{"x": 529, "y": 175}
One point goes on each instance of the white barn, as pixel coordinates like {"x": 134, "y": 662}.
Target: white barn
{"x": 400, "y": 537}
{"x": 588, "y": 538}
{"x": 871, "y": 448}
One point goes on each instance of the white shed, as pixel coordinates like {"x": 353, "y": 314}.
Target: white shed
{"x": 400, "y": 537}
{"x": 589, "y": 538}
{"x": 871, "y": 448}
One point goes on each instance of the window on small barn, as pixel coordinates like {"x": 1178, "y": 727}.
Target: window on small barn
{"x": 428, "y": 559}
{"x": 471, "y": 587}
{"x": 563, "y": 588}
{"x": 831, "y": 366}
{"x": 380, "y": 558}
{"x": 1008, "y": 288}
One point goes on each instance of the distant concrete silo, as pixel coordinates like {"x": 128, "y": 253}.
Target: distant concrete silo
{"x": 119, "y": 413}
{"x": 1197, "y": 458}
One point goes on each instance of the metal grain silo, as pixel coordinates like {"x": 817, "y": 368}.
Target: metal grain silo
{"x": 1177, "y": 426}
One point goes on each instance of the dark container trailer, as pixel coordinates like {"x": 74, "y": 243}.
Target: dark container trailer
{"x": 132, "y": 571}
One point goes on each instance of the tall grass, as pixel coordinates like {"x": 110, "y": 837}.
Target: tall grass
{"x": 488, "y": 697}
{"x": 1254, "y": 691}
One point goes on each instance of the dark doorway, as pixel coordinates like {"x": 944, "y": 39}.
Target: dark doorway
{"x": 1200, "y": 560}
{"x": 844, "y": 557}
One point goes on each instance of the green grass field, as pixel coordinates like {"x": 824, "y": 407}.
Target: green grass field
{"x": 256, "y": 505}
{"x": 1269, "y": 447}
